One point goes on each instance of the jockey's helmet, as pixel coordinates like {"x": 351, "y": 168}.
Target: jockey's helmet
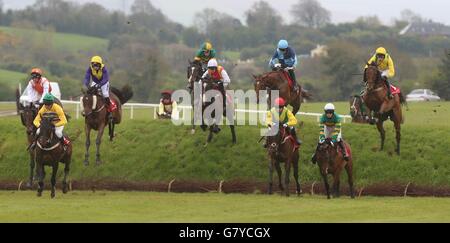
{"x": 280, "y": 102}
{"x": 207, "y": 46}
{"x": 212, "y": 63}
{"x": 283, "y": 44}
{"x": 329, "y": 108}
{"x": 48, "y": 99}
{"x": 381, "y": 51}
{"x": 36, "y": 73}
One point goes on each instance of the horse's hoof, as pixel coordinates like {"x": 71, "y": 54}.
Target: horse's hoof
{"x": 86, "y": 163}
{"x": 65, "y": 189}
{"x": 52, "y": 195}
{"x": 98, "y": 163}
{"x": 39, "y": 194}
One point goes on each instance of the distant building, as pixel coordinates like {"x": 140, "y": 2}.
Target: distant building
{"x": 429, "y": 28}
{"x": 320, "y": 51}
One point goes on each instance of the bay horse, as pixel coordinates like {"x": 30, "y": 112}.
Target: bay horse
{"x": 97, "y": 116}
{"x": 50, "y": 152}
{"x": 278, "y": 80}
{"x": 358, "y": 111}
{"x": 27, "y": 115}
{"x": 376, "y": 99}
{"x": 195, "y": 72}
{"x": 331, "y": 161}
{"x": 282, "y": 148}
{"x": 209, "y": 84}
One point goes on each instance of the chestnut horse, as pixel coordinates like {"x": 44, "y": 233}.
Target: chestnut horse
{"x": 331, "y": 161}
{"x": 376, "y": 99}
{"x": 282, "y": 147}
{"x": 97, "y": 116}
{"x": 276, "y": 80}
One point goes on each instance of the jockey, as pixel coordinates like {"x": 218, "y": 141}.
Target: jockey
{"x": 100, "y": 77}
{"x": 330, "y": 127}
{"x": 167, "y": 106}
{"x": 218, "y": 74}
{"x": 386, "y": 66}
{"x": 287, "y": 60}
{"x": 205, "y": 53}
{"x": 51, "y": 106}
{"x": 37, "y": 87}
{"x": 284, "y": 117}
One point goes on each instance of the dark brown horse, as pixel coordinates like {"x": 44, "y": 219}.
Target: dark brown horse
{"x": 282, "y": 148}
{"x": 331, "y": 162}
{"x": 358, "y": 111}
{"x": 50, "y": 151}
{"x": 27, "y": 115}
{"x": 97, "y": 116}
{"x": 208, "y": 85}
{"x": 276, "y": 80}
{"x": 195, "y": 72}
{"x": 376, "y": 99}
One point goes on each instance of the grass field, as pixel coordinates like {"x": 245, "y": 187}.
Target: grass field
{"x": 11, "y": 79}
{"x": 61, "y": 41}
{"x": 232, "y": 208}
{"x": 149, "y": 150}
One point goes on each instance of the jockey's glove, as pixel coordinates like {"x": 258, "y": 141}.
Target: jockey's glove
{"x": 285, "y": 125}
{"x": 277, "y": 65}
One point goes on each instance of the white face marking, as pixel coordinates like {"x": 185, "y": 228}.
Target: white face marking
{"x": 192, "y": 74}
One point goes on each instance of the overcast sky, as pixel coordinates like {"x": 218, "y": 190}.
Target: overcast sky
{"x": 183, "y": 11}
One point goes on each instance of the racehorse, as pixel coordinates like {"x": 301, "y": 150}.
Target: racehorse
{"x": 358, "y": 110}
{"x": 279, "y": 80}
{"x": 27, "y": 115}
{"x": 195, "y": 71}
{"x": 50, "y": 152}
{"x": 208, "y": 85}
{"x": 282, "y": 147}
{"x": 376, "y": 99}
{"x": 97, "y": 115}
{"x": 331, "y": 161}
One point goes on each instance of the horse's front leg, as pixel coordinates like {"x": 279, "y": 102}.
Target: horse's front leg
{"x": 325, "y": 181}
{"x": 53, "y": 179}
{"x": 397, "y": 135}
{"x": 32, "y": 166}
{"x": 87, "y": 130}
{"x": 40, "y": 176}
{"x": 287, "y": 176}
{"x": 270, "y": 176}
{"x": 233, "y": 134}
{"x": 299, "y": 190}
{"x": 280, "y": 174}
{"x": 98, "y": 142}
{"x": 382, "y": 133}
{"x": 66, "y": 174}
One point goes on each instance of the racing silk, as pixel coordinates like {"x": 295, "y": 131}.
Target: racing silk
{"x": 387, "y": 65}
{"x": 37, "y": 90}
{"x": 289, "y": 59}
{"x": 218, "y": 75}
{"x": 286, "y": 117}
{"x": 200, "y": 56}
{"x": 101, "y": 77}
{"x": 167, "y": 106}
{"x": 334, "y": 121}
{"x": 55, "y": 109}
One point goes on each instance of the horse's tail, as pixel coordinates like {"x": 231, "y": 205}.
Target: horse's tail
{"x": 124, "y": 95}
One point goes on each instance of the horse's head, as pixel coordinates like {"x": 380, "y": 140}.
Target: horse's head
{"x": 326, "y": 152}
{"x": 274, "y": 142}
{"x": 194, "y": 71}
{"x": 91, "y": 101}
{"x": 47, "y": 129}
{"x": 373, "y": 76}
{"x": 27, "y": 115}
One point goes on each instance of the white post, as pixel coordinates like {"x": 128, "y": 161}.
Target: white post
{"x": 154, "y": 113}
{"x": 132, "y": 112}
{"x": 20, "y": 88}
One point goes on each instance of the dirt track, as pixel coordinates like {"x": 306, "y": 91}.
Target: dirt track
{"x": 242, "y": 186}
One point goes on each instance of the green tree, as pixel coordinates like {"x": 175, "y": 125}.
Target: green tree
{"x": 441, "y": 81}
{"x": 310, "y": 13}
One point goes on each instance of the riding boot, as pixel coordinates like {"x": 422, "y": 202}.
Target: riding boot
{"x": 344, "y": 151}
{"x": 294, "y": 78}
{"x": 389, "y": 94}
{"x": 314, "y": 157}
{"x": 294, "y": 134}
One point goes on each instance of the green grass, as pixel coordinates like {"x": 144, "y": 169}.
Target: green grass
{"x": 61, "y": 41}
{"x": 149, "y": 150}
{"x": 11, "y": 79}
{"x": 232, "y": 208}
